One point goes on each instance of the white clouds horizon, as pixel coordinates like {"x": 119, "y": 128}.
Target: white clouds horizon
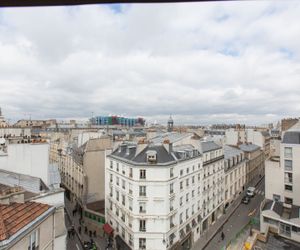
{"x": 200, "y": 62}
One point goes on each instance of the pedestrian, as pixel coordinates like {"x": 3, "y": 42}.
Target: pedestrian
{"x": 222, "y": 236}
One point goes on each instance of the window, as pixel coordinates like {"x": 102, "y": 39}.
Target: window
{"x": 187, "y": 182}
{"x": 142, "y": 206}
{"x": 111, "y": 178}
{"x": 142, "y": 226}
{"x": 111, "y": 164}
{"x": 171, "y": 188}
{"x": 123, "y": 200}
{"x": 130, "y": 173}
{"x": 118, "y": 181}
{"x": 142, "y": 190}
{"x": 193, "y": 168}
{"x": 288, "y": 165}
{"x": 288, "y": 178}
{"x": 198, "y": 177}
{"x": 123, "y": 184}
{"x": 193, "y": 209}
{"x": 186, "y": 213}
{"x": 171, "y": 205}
{"x": 187, "y": 170}
{"x": 187, "y": 197}
{"x": 276, "y": 197}
{"x": 171, "y": 172}
{"x": 34, "y": 240}
{"x": 130, "y": 188}
{"x": 193, "y": 193}
{"x": 193, "y": 179}
{"x": 181, "y": 172}
{"x": 142, "y": 174}
{"x": 288, "y": 200}
{"x": 130, "y": 204}
{"x": 180, "y": 218}
{"x": 117, "y": 166}
{"x": 288, "y": 187}
{"x": 288, "y": 153}
{"x": 181, "y": 185}
{"x": 142, "y": 243}
{"x": 117, "y": 195}
{"x": 198, "y": 165}
{"x": 123, "y": 170}
{"x": 181, "y": 201}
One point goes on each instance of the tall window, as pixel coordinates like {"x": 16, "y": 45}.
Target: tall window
{"x": 142, "y": 243}
{"x": 117, "y": 166}
{"x": 142, "y": 190}
{"x": 130, "y": 188}
{"x": 34, "y": 240}
{"x": 130, "y": 173}
{"x": 142, "y": 206}
{"x": 123, "y": 200}
{"x": 142, "y": 226}
{"x": 111, "y": 164}
{"x": 130, "y": 204}
{"x": 171, "y": 172}
{"x": 171, "y": 188}
{"x": 288, "y": 153}
{"x": 288, "y": 165}
{"x": 142, "y": 174}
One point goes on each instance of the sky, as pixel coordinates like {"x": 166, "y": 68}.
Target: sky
{"x": 204, "y": 63}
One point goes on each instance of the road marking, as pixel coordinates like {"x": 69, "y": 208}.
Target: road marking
{"x": 77, "y": 247}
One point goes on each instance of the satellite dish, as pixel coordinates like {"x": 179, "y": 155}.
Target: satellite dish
{"x": 2, "y": 141}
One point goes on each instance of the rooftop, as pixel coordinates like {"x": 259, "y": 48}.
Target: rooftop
{"x": 249, "y": 147}
{"x": 207, "y": 146}
{"x": 230, "y": 152}
{"x": 278, "y": 208}
{"x": 291, "y": 137}
{"x": 15, "y": 216}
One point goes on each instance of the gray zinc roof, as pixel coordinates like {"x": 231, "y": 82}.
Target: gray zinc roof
{"x": 207, "y": 146}
{"x": 291, "y": 137}
{"x": 249, "y": 147}
{"x": 230, "y": 152}
{"x": 163, "y": 156}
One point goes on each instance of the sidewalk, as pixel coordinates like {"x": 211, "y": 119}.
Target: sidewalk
{"x": 99, "y": 241}
{"x": 217, "y": 226}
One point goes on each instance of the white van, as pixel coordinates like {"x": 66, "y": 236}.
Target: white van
{"x": 250, "y": 191}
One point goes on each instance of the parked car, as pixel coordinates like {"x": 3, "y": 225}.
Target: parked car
{"x": 250, "y": 191}
{"x": 246, "y": 199}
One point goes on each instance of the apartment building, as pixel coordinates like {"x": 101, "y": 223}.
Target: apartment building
{"x": 280, "y": 211}
{"x": 163, "y": 196}
{"x": 213, "y": 183}
{"x": 258, "y": 137}
{"x": 153, "y": 195}
{"x": 255, "y": 165}
{"x": 26, "y": 164}
{"x": 26, "y": 226}
{"x": 235, "y": 173}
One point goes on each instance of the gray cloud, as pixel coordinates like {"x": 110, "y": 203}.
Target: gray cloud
{"x": 201, "y": 62}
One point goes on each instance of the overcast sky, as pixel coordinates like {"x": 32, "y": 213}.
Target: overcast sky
{"x": 201, "y": 62}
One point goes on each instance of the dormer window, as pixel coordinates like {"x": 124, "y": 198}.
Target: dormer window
{"x": 151, "y": 156}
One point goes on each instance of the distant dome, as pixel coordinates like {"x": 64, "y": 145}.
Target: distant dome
{"x": 170, "y": 119}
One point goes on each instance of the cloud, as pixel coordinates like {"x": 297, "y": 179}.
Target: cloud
{"x": 201, "y": 62}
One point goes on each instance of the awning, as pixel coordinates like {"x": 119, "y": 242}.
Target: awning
{"x": 107, "y": 228}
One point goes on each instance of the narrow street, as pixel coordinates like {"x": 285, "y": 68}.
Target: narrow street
{"x": 238, "y": 219}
